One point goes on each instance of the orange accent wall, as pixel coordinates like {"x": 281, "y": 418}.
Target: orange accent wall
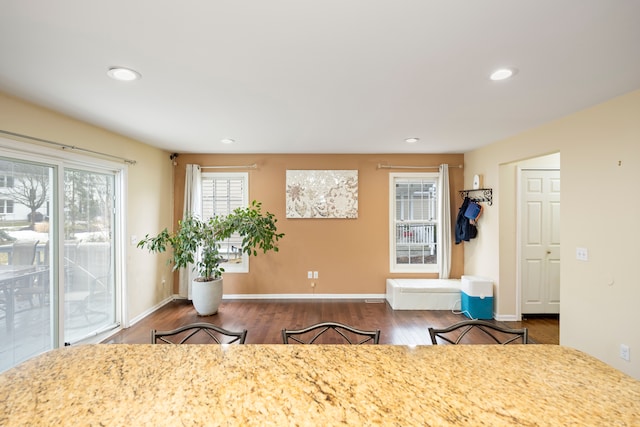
{"x": 351, "y": 256}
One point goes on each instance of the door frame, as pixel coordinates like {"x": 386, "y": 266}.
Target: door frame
{"x": 519, "y": 198}
{"x": 61, "y": 159}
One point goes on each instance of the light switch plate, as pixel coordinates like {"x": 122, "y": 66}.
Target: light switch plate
{"x": 624, "y": 352}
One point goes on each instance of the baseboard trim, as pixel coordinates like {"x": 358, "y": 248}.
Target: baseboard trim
{"x": 506, "y": 317}
{"x": 303, "y": 296}
{"x": 145, "y": 313}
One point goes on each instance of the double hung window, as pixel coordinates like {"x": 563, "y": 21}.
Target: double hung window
{"x": 6, "y": 181}
{"x": 414, "y": 222}
{"x": 6, "y": 206}
{"x": 222, "y": 193}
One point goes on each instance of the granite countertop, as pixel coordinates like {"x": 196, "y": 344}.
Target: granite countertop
{"x": 281, "y": 385}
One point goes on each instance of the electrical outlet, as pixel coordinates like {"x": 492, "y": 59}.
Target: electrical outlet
{"x": 309, "y": 274}
{"x": 315, "y": 274}
{"x": 624, "y": 352}
{"x": 582, "y": 254}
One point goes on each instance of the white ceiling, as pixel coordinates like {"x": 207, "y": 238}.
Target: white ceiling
{"x": 324, "y": 76}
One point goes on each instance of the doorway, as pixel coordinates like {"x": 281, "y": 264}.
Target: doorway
{"x": 59, "y": 251}
{"x": 539, "y": 236}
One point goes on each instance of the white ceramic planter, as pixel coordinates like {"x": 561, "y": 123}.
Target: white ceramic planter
{"x": 206, "y": 296}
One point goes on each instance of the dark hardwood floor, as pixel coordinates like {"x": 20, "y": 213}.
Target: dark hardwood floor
{"x": 264, "y": 320}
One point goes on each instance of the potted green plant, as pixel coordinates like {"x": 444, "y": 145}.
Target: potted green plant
{"x": 197, "y": 242}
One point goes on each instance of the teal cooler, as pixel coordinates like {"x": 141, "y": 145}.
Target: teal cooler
{"x": 477, "y": 297}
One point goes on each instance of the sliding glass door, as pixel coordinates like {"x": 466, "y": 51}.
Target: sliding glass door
{"x": 89, "y": 291}
{"x": 58, "y": 246}
{"x": 26, "y": 293}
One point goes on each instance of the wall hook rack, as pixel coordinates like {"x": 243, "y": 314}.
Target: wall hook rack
{"x": 479, "y": 195}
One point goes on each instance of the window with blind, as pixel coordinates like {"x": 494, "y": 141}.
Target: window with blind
{"x": 414, "y": 222}
{"x": 221, "y": 194}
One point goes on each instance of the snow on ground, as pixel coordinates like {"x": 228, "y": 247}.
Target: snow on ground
{"x": 29, "y": 235}
{"x": 44, "y": 237}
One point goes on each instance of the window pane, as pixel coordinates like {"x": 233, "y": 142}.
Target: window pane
{"x": 416, "y": 200}
{"x": 26, "y": 311}
{"x": 89, "y": 294}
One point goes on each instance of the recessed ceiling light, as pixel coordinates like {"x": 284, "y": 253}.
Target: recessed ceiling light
{"x": 123, "y": 74}
{"x": 502, "y": 73}
{"x": 227, "y": 141}
{"x": 412, "y": 140}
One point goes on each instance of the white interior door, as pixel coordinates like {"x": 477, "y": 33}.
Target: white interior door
{"x": 540, "y": 241}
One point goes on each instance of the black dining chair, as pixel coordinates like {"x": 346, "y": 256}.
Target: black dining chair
{"x": 320, "y": 333}
{"x": 479, "y": 330}
{"x": 198, "y": 333}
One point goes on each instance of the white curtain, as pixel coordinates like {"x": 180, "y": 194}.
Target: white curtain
{"x": 192, "y": 206}
{"x": 445, "y": 233}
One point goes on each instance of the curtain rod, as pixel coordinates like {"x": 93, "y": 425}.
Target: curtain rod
{"x": 68, "y": 147}
{"x": 381, "y": 166}
{"x": 253, "y": 166}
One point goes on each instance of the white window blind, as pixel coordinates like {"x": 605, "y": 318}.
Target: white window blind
{"x": 221, "y": 194}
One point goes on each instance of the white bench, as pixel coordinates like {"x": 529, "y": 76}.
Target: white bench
{"x": 423, "y": 294}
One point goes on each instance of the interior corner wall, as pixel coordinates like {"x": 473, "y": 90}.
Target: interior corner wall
{"x": 149, "y": 195}
{"x": 350, "y": 255}
{"x": 600, "y": 168}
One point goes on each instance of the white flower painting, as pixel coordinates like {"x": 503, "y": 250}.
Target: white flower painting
{"x": 322, "y": 193}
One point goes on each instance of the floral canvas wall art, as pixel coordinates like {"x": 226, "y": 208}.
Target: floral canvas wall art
{"x": 322, "y": 194}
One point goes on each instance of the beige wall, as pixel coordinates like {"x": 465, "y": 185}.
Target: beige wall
{"x": 600, "y": 169}
{"x": 149, "y": 192}
{"x": 351, "y": 255}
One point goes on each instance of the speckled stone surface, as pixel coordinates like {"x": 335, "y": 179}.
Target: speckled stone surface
{"x": 316, "y": 385}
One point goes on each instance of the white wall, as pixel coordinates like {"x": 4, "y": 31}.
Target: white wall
{"x": 600, "y": 169}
